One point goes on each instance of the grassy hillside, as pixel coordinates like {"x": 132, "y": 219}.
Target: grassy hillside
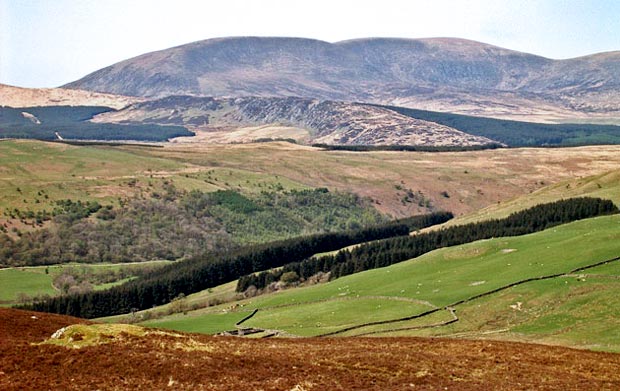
{"x": 401, "y": 183}
{"x": 404, "y": 183}
{"x": 435, "y": 280}
{"x": 34, "y": 174}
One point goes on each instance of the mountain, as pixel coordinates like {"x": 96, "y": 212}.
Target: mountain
{"x": 29, "y": 97}
{"x": 436, "y": 73}
{"x": 307, "y": 120}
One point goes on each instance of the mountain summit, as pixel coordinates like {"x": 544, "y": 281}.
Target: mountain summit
{"x": 435, "y": 73}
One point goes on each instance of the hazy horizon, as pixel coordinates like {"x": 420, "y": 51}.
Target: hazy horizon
{"x": 48, "y": 44}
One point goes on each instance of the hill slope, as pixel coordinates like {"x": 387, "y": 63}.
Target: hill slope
{"x": 29, "y": 97}
{"x": 454, "y": 74}
{"x": 448, "y": 279}
{"x": 194, "y": 362}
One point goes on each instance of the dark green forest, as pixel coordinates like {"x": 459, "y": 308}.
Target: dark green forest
{"x": 209, "y": 269}
{"x": 387, "y": 252}
{"x": 518, "y": 133}
{"x": 71, "y": 122}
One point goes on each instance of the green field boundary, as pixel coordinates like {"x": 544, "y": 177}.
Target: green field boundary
{"x": 451, "y": 306}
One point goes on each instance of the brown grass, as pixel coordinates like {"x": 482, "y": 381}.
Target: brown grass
{"x": 29, "y": 97}
{"x": 197, "y": 362}
{"x": 472, "y": 180}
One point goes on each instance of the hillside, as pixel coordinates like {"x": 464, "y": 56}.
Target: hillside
{"x": 472, "y": 289}
{"x": 306, "y": 120}
{"x": 35, "y": 175}
{"x": 442, "y": 74}
{"x": 605, "y": 185}
{"x": 181, "y": 361}
{"x": 30, "y": 97}
{"x": 521, "y": 133}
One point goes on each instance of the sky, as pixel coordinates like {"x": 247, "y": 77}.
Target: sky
{"x": 53, "y": 42}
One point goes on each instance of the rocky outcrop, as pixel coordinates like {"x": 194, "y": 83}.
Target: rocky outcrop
{"x": 329, "y": 122}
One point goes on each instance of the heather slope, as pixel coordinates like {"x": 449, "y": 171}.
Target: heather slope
{"x": 194, "y": 362}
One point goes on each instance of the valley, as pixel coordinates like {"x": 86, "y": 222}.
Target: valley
{"x": 523, "y": 175}
{"x": 293, "y": 214}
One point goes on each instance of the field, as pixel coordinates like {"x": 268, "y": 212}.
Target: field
{"x": 126, "y": 357}
{"x": 446, "y": 278}
{"x": 37, "y": 280}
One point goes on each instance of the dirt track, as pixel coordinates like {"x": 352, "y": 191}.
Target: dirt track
{"x": 196, "y": 362}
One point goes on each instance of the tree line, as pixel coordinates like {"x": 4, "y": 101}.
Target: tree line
{"x": 407, "y": 148}
{"x": 72, "y": 122}
{"x": 387, "y": 252}
{"x": 519, "y": 133}
{"x": 198, "y": 273}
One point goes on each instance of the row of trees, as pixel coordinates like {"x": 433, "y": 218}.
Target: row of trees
{"x": 193, "y": 275}
{"x": 394, "y": 250}
{"x": 407, "y": 148}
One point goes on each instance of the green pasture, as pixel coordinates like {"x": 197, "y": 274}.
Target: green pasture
{"x": 437, "y": 279}
{"x": 37, "y": 280}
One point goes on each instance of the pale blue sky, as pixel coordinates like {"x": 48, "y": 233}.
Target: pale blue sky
{"x": 49, "y": 43}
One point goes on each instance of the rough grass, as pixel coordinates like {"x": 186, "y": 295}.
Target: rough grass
{"x": 605, "y": 185}
{"x": 472, "y": 180}
{"x": 34, "y": 174}
{"x": 80, "y": 335}
{"x": 30, "y": 170}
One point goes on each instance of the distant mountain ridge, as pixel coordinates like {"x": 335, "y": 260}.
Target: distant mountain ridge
{"x": 446, "y": 74}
